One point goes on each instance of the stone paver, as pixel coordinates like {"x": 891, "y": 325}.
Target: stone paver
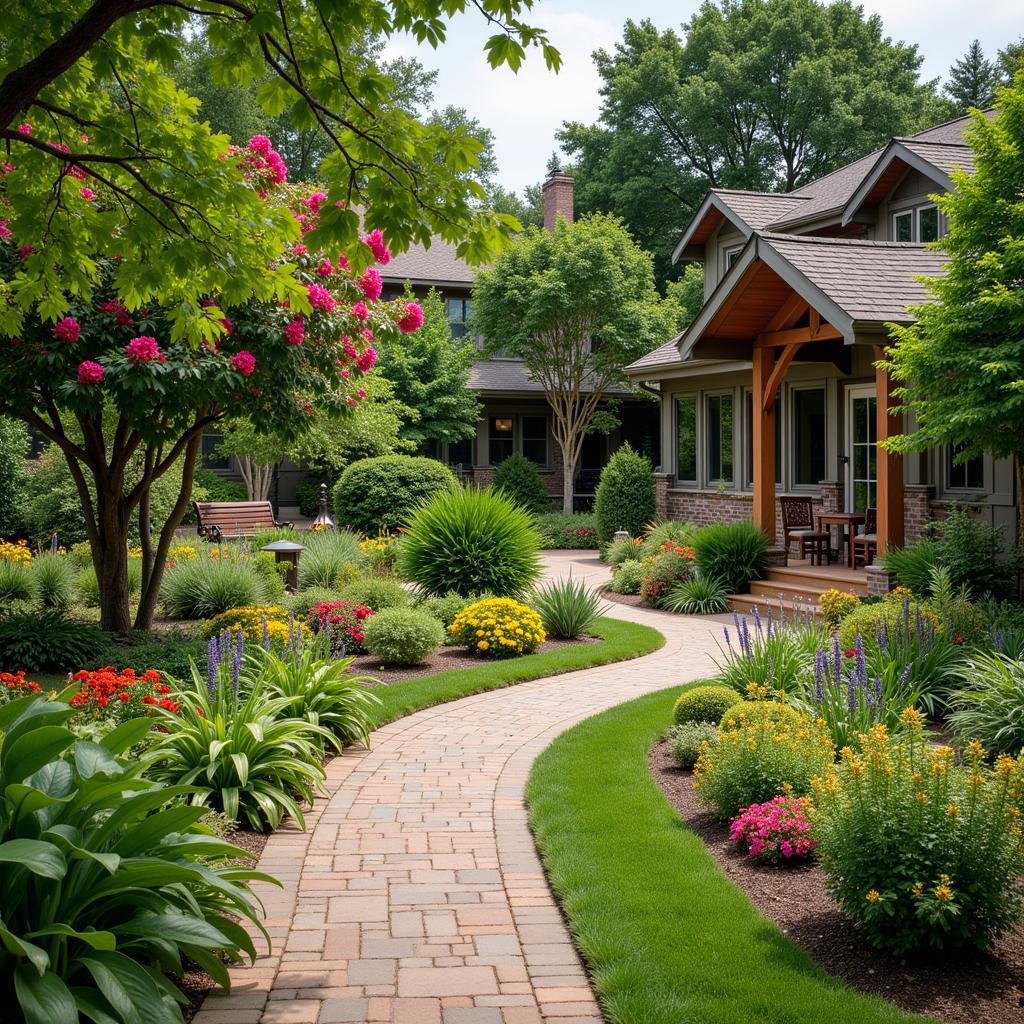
{"x": 416, "y": 896}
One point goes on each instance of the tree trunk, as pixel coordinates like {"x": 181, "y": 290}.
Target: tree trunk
{"x": 110, "y": 560}
{"x": 568, "y": 477}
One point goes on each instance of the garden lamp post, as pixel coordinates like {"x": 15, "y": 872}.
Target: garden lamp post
{"x": 287, "y": 551}
{"x": 323, "y": 520}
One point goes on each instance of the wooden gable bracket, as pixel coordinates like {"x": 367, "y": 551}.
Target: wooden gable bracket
{"x": 785, "y": 357}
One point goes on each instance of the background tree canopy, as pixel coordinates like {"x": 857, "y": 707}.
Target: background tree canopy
{"x": 756, "y": 94}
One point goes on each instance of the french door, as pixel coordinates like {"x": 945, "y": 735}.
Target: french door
{"x": 861, "y": 448}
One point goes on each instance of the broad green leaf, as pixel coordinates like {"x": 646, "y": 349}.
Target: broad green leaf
{"x": 40, "y": 858}
{"x": 131, "y": 991}
{"x": 95, "y": 939}
{"x": 21, "y": 947}
{"x": 44, "y": 999}
{"x": 92, "y": 759}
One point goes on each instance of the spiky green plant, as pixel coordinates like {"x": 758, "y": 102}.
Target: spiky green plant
{"x": 567, "y": 608}
{"x": 471, "y": 541}
{"x": 16, "y": 582}
{"x": 703, "y": 595}
{"x": 54, "y": 578}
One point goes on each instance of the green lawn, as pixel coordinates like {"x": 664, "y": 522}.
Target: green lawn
{"x": 619, "y": 640}
{"x": 668, "y": 939}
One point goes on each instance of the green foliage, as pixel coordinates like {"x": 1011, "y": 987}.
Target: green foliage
{"x": 88, "y": 587}
{"x": 772, "y": 654}
{"x": 203, "y": 587}
{"x": 403, "y": 636}
{"x": 658, "y": 533}
{"x": 819, "y": 86}
{"x": 378, "y": 495}
{"x": 328, "y": 559}
{"x": 470, "y": 541}
{"x": 989, "y": 703}
{"x": 625, "y": 498}
{"x": 702, "y": 595}
{"x": 307, "y": 492}
{"x": 732, "y": 552}
{"x": 376, "y": 592}
{"x": 107, "y": 884}
{"x": 703, "y": 704}
{"x": 54, "y": 579}
{"x": 662, "y": 572}
{"x": 13, "y": 449}
{"x": 973, "y": 330}
{"x": 517, "y": 478}
{"x": 628, "y": 577}
{"x": 320, "y": 691}
{"x": 429, "y": 373}
{"x": 299, "y": 603}
{"x": 239, "y": 749}
{"x": 972, "y": 80}
{"x": 210, "y": 486}
{"x": 577, "y": 530}
{"x": 169, "y": 652}
{"x": 687, "y": 741}
{"x": 622, "y": 550}
{"x": 923, "y": 854}
{"x": 567, "y": 608}
{"x": 972, "y": 553}
{"x": 444, "y": 608}
{"x": 51, "y": 503}
{"x": 46, "y": 641}
{"x": 762, "y": 757}
{"x": 577, "y": 305}
{"x": 17, "y": 583}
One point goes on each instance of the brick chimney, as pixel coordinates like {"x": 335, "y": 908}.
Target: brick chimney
{"x": 557, "y": 190}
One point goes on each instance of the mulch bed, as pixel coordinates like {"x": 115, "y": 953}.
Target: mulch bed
{"x": 633, "y": 600}
{"x": 980, "y": 989}
{"x": 447, "y": 659}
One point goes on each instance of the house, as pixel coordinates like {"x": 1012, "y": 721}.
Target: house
{"x": 514, "y": 415}
{"x": 773, "y": 391}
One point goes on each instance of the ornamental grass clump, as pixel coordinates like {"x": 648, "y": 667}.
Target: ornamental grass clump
{"x": 990, "y": 706}
{"x": 17, "y": 582}
{"x": 498, "y": 627}
{"x": 330, "y": 559}
{"x": 568, "y": 608}
{"x": 212, "y": 583}
{"x": 924, "y": 854}
{"x": 773, "y": 754}
{"x": 775, "y": 832}
{"x": 471, "y": 541}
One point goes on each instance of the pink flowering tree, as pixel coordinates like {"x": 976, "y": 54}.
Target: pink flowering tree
{"x": 110, "y": 385}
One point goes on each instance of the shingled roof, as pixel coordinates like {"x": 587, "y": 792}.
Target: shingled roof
{"x": 439, "y": 265}
{"x": 500, "y": 375}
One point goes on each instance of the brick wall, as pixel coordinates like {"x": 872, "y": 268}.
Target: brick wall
{"x": 916, "y": 511}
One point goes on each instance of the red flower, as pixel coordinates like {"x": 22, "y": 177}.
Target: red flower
{"x": 958, "y": 640}
{"x": 851, "y": 653}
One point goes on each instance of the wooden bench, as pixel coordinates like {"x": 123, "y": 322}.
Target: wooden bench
{"x": 220, "y": 520}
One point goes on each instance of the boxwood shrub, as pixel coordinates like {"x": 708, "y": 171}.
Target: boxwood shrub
{"x": 625, "y": 498}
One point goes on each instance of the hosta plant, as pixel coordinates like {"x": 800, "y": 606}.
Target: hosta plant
{"x": 107, "y": 881}
{"x": 923, "y": 853}
{"x": 237, "y": 746}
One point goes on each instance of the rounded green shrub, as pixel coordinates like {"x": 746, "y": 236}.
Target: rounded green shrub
{"x": 402, "y": 636}
{"x": 628, "y": 577}
{"x": 703, "y": 704}
{"x": 469, "y": 541}
{"x": 376, "y": 592}
{"x": 378, "y": 495}
{"x": 445, "y": 608}
{"x": 625, "y": 498}
{"x": 517, "y": 477}
{"x": 687, "y": 741}
{"x": 866, "y": 619}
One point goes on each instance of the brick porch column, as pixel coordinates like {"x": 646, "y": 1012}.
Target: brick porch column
{"x": 916, "y": 512}
{"x": 662, "y": 482}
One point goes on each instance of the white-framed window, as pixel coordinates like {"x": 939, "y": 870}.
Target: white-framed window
{"x": 730, "y": 256}
{"x": 917, "y": 224}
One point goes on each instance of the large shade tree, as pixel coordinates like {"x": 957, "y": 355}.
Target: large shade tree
{"x": 962, "y": 362}
{"x": 576, "y": 305}
{"x": 756, "y": 94}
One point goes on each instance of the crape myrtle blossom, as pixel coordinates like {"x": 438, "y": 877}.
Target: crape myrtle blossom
{"x": 309, "y": 346}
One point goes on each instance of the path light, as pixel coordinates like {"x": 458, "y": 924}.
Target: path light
{"x": 620, "y": 535}
{"x": 323, "y": 520}
{"x": 287, "y": 551}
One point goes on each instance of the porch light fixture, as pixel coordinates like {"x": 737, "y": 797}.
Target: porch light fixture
{"x": 287, "y": 551}
{"x": 503, "y": 426}
{"x": 323, "y": 519}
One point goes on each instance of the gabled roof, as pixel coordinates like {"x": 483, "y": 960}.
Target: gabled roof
{"x": 437, "y": 265}
{"x": 749, "y": 211}
{"x": 500, "y": 375}
{"x": 854, "y": 284}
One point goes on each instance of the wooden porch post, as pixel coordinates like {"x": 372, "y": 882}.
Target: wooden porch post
{"x": 764, "y": 441}
{"x": 889, "y": 464}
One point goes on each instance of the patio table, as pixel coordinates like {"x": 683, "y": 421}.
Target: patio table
{"x": 847, "y": 523}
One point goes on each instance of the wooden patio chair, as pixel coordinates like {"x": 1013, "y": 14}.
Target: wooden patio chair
{"x": 798, "y": 525}
{"x": 866, "y": 544}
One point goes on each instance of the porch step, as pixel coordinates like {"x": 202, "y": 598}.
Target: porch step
{"x": 799, "y": 588}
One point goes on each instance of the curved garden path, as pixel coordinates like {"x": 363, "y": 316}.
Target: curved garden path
{"x": 416, "y": 896}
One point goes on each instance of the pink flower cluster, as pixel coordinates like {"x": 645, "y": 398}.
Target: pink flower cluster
{"x": 381, "y": 253}
{"x": 144, "y": 349}
{"x": 413, "y": 319}
{"x": 263, "y": 158}
{"x": 89, "y": 372}
{"x": 774, "y": 831}
{"x": 67, "y": 329}
{"x": 294, "y": 332}
{"x": 244, "y": 363}
{"x": 320, "y": 297}
{"x": 371, "y": 284}
{"x": 121, "y": 315}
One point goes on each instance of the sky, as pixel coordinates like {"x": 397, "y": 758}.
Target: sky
{"x": 525, "y": 110}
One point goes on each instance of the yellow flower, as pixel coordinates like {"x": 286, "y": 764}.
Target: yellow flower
{"x": 483, "y": 645}
{"x": 918, "y": 888}
{"x": 943, "y": 893}
{"x": 873, "y": 896}
{"x": 953, "y": 811}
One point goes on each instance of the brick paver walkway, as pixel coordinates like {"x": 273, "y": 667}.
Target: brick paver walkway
{"x": 416, "y": 896}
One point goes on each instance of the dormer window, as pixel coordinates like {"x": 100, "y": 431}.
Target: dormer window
{"x": 731, "y": 255}
{"x": 918, "y": 224}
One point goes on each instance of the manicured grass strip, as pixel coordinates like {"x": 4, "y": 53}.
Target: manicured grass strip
{"x": 668, "y": 939}
{"x": 619, "y": 640}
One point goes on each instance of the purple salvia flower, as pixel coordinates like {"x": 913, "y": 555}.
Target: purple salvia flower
{"x": 880, "y": 634}
{"x": 768, "y": 607}
{"x": 728, "y": 642}
{"x": 837, "y": 657}
{"x": 236, "y": 662}
{"x": 851, "y": 694}
{"x": 920, "y": 628}
{"x": 999, "y": 640}
{"x": 906, "y": 617}
{"x": 819, "y": 674}
{"x": 212, "y": 663}
{"x": 862, "y": 668}
{"x": 757, "y": 618}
